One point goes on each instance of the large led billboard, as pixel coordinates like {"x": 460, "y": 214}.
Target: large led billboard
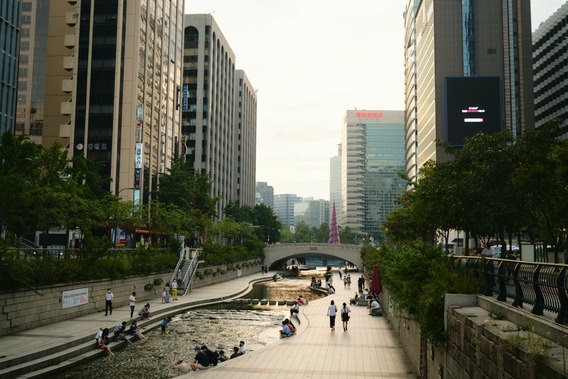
{"x": 473, "y": 105}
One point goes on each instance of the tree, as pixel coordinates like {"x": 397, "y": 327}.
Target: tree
{"x": 266, "y": 224}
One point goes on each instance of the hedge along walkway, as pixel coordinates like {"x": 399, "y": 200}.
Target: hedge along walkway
{"x": 368, "y": 349}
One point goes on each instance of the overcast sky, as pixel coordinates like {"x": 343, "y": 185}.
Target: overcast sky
{"x": 311, "y": 60}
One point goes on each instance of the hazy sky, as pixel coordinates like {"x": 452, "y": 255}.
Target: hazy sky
{"x": 311, "y": 60}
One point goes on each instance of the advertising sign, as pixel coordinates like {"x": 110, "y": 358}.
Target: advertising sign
{"x": 74, "y": 298}
{"x": 184, "y": 97}
{"x": 473, "y": 105}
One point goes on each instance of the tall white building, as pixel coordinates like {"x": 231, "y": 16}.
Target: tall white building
{"x": 219, "y": 113}
{"x": 335, "y": 186}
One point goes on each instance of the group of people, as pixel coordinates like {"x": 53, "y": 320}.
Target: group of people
{"x": 205, "y": 358}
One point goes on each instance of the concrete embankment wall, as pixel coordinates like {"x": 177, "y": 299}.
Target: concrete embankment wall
{"x": 486, "y": 339}
{"x": 26, "y": 309}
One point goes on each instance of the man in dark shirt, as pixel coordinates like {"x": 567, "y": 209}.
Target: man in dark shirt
{"x": 212, "y": 356}
{"x": 200, "y": 361}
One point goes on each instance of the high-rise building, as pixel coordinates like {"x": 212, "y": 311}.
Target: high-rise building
{"x": 463, "y": 59}
{"x": 372, "y": 161}
{"x": 264, "y": 194}
{"x": 335, "y": 186}
{"x": 112, "y": 87}
{"x": 219, "y": 113}
{"x": 245, "y": 141}
{"x": 284, "y": 207}
{"x": 313, "y": 212}
{"x": 9, "y": 48}
{"x": 31, "y": 72}
{"x": 550, "y": 52}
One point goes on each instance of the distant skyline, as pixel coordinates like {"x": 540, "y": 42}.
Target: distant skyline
{"x": 311, "y": 61}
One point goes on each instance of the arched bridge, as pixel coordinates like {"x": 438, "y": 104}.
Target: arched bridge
{"x": 281, "y": 252}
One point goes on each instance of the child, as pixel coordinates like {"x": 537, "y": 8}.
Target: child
{"x": 164, "y": 294}
{"x": 165, "y": 323}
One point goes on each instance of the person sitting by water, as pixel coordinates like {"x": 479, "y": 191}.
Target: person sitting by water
{"x": 236, "y": 352}
{"x": 330, "y": 290}
{"x": 285, "y": 331}
{"x": 136, "y": 331}
{"x": 104, "y": 342}
{"x": 314, "y": 282}
{"x": 302, "y": 300}
{"x": 145, "y": 312}
{"x": 212, "y": 356}
{"x": 223, "y": 356}
{"x": 355, "y": 299}
{"x": 295, "y": 309}
{"x": 200, "y": 362}
{"x": 180, "y": 366}
{"x": 292, "y": 327}
{"x": 375, "y": 308}
{"x": 319, "y": 283}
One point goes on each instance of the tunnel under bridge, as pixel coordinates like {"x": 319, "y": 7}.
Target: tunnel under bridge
{"x": 275, "y": 255}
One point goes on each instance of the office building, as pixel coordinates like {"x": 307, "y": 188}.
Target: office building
{"x": 335, "y": 186}
{"x": 219, "y": 113}
{"x": 264, "y": 194}
{"x": 31, "y": 72}
{"x": 284, "y": 207}
{"x": 112, "y": 87}
{"x": 9, "y": 48}
{"x": 464, "y": 58}
{"x": 372, "y": 160}
{"x": 313, "y": 212}
{"x": 550, "y": 53}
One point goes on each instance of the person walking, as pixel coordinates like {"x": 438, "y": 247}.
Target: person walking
{"x": 345, "y": 316}
{"x": 108, "y": 302}
{"x": 175, "y": 289}
{"x": 332, "y": 312}
{"x": 132, "y": 303}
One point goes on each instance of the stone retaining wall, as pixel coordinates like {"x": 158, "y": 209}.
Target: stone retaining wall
{"x": 23, "y": 310}
{"x": 488, "y": 339}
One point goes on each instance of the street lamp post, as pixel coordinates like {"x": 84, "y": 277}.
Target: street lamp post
{"x": 124, "y": 189}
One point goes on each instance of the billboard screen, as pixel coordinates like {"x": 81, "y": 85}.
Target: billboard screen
{"x": 473, "y": 105}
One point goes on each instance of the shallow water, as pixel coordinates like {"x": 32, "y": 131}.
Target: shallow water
{"x": 220, "y": 327}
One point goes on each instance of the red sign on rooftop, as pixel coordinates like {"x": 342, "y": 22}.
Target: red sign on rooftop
{"x": 369, "y": 115}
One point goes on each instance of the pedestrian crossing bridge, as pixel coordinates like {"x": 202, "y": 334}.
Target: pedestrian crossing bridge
{"x": 276, "y": 254}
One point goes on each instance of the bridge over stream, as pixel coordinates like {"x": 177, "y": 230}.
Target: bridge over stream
{"x": 275, "y": 254}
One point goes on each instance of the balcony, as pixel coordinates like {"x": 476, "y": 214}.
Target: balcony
{"x": 65, "y": 130}
{"x": 70, "y": 40}
{"x": 67, "y": 85}
{"x": 67, "y": 108}
{"x": 69, "y": 63}
{"x": 71, "y": 18}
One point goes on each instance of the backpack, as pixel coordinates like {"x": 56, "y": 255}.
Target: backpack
{"x": 292, "y": 329}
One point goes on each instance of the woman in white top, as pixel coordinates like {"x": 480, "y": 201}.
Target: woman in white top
{"x": 345, "y": 316}
{"x": 332, "y": 312}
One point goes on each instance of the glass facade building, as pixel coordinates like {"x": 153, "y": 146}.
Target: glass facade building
{"x": 373, "y": 156}
{"x": 284, "y": 207}
{"x": 9, "y": 48}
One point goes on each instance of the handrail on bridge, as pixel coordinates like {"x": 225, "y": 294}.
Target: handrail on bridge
{"x": 543, "y": 285}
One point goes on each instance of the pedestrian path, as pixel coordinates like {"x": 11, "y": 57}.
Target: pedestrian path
{"x": 368, "y": 349}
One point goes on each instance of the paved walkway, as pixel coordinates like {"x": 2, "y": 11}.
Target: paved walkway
{"x": 368, "y": 349}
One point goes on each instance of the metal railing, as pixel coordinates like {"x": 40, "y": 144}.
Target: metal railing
{"x": 542, "y": 285}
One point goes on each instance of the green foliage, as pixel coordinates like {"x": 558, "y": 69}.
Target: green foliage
{"x": 417, "y": 277}
{"x": 230, "y": 254}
